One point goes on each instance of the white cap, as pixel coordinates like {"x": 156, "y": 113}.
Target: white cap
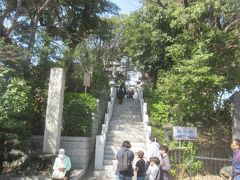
{"x": 61, "y": 153}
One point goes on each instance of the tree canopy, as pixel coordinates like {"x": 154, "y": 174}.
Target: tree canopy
{"x": 191, "y": 51}
{"x": 38, "y": 35}
{"x": 188, "y": 52}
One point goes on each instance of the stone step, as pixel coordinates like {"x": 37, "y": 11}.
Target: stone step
{"x": 107, "y": 175}
{"x": 113, "y": 162}
{"x": 104, "y": 174}
{"x": 123, "y": 115}
{"x": 112, "y": 157}
{"x": 127, "y": 106}
{"x": 120, "y": 121}
{"x": 104, "y": 178}
{"x": 127, "y": 137}
{"x": 134, "y": 145}
{"x": 108, "y": 151}
{"x": 134, "y": 142}
{"x": 114, "y": 148}
{"x": 132, "y": 137}
{"x": 126, "y": 103}
{"x": 128, "y": 129}
{"x": 123, "y": 133}
{"x": 127, "y": 109}
{"x": 119, "y": 137}
{"x": 109, "y": 168}
{"x": 124, "y": 121}
{"x": 126, "y": 125}
{"x": 113, "y": 167}
{"x": 109, "y": 162}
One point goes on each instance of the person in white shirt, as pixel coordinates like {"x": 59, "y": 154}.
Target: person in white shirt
{"x": 62, "y": 165}
{"x": 153, "y": 150}
{"x": 153, "y": 171}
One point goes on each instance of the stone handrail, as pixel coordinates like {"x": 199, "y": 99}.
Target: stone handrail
{"x": 101, "y": 139}
{"x": 143, "y": 105}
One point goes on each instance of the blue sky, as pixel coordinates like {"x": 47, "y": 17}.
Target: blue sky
{"x": 127, "y": 6}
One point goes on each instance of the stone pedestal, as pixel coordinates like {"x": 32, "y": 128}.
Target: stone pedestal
{"x": 235, "y": 100}
{"x": 53, "y": 123}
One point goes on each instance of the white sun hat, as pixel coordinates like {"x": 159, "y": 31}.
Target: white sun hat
{"x": 61, "y": 153}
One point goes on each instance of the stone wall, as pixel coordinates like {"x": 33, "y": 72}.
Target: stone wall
{"x": 79, "y": 149}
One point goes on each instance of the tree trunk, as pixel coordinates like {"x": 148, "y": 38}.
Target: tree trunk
{"x": 69, "y": 65}
{"x": 14, "y": 22}
{"x": 1, "y": 152}
{"x": 185, "y": 3}
{"x": 35, "y": 23}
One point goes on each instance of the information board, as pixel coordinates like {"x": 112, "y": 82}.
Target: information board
{"x": 87, "y": 79}
{"x": 184, "y": 133}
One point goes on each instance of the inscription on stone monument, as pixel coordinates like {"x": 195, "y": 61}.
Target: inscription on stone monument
{"x": 53, "y": 123}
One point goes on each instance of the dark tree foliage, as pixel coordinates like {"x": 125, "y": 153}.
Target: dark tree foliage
{"x": 37, "y": 35}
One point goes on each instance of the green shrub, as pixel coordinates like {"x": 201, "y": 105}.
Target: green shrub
{"x": 189, "y": 161}
{"x": 14, "y": 119}
{"x": 77, "y": 115}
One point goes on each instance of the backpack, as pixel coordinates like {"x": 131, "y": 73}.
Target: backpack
{"x": 123, "y": 161}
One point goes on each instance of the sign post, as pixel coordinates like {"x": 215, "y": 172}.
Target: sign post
{"x": 86, "y": 81}
{"x": 185, "y": 133}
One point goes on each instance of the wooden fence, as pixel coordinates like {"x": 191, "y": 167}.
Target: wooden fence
{"x": 213, "y": 160}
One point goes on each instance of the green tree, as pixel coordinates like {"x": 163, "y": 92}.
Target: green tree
{"x": 192, "y": 50}
{"x": 14, "y": 120}
{"x": 147, "y": 35}
{"x": 205, "y": 61}
{"x": 34, "y": 39}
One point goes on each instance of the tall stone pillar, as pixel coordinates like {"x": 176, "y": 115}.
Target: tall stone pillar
{"x": 53, "y": 122}
{"x": 235, "y": 100}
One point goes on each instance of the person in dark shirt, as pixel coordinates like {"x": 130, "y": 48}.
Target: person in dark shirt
{"x": 127, "y": 174}
{"x": 140, "y": 166}
{"x": 121, "y": 91}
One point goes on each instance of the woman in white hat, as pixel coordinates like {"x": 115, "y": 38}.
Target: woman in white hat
{"x": 62, "y": 165}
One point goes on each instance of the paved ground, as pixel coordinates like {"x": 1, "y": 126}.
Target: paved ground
{"x": 89, "y": 173}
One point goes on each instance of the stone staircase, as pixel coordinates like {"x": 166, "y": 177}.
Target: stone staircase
{"x": 126, "y": 124}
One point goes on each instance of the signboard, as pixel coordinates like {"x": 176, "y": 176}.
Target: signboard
{"x": 184, "y": 133}
{"x": 87, "y": 79}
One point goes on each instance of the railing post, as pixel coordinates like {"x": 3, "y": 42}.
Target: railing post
{"x": 101, "y": 139}
{"x": 99, "y": 154}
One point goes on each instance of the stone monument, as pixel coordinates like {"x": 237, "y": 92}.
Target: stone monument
{"x": 53, "y": 122}
{"x": 235, "y": 100}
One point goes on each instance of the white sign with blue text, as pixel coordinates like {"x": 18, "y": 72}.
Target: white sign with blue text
{"x": 184, "y": 133}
